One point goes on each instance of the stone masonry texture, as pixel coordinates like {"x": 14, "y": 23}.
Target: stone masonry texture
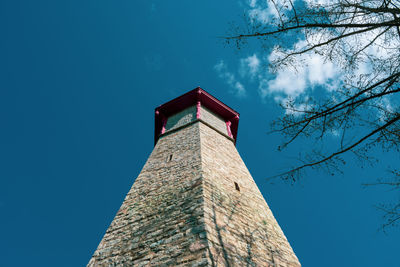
{"x": 194, "y": 204}
{"x": 181, "y": 118}
{"x": 213, "y": 120}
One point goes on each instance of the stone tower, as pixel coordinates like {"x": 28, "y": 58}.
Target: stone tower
{"x": 194, "y": 203}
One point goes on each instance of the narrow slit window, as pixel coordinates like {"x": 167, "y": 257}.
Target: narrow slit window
{"x": 237, "y": 187}
{"x": 169, "y": 158}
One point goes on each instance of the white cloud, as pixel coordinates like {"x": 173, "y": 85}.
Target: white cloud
{"x": 252, "y": 3}
{"x": 311, "y": 3}
{"x": 288, "y": 82}
{"x": 240, "y": 90}
{"x": 293, "y": 80}
{"x": 265, "y": 10}
{"x": 385, "y": 108}
{"x": 230, "y": 79}
{"x": 260, "y": 15}
{"x": 295, "y": 109}
{"x": 319, "y": 70}
{"x": 249, "y": 66}
{"x": 313, "y": 70}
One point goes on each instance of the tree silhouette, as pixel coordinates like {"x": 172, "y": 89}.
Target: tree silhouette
{"x": 362, "y": 39}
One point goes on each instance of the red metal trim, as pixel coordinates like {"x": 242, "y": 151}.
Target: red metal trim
{"x": 228, "y": 127}
{"x": 198, "y": 110}
{"x": 164, "y": 123}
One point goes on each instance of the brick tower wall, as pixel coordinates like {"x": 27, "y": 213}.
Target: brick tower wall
{"x": 194, "y": 204}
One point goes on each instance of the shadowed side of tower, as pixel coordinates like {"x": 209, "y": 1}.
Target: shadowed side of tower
{"x": 241, "y": 229}
{"x": 194, "y": 203}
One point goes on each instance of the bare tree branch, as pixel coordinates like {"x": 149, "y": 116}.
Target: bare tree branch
{"x": 342, "y": 150}
{"x": 348, "y": 34}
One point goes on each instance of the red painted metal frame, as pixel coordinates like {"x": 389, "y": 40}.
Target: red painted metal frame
{"x": 198, "y": 110}
{"x": 197, "y": 97}
{"x": 228, "y": 128}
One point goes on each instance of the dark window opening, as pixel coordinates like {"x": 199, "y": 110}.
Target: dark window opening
{"x": 169, "y": 158}
{"x": 237, "y": 187}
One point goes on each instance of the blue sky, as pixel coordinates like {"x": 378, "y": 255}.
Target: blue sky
{"x": 79, "y": 81}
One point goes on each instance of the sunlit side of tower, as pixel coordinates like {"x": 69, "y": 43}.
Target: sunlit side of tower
{"x": 194, "y": 203}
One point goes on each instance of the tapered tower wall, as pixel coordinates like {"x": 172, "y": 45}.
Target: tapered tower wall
{"x": 194, "y": 203}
